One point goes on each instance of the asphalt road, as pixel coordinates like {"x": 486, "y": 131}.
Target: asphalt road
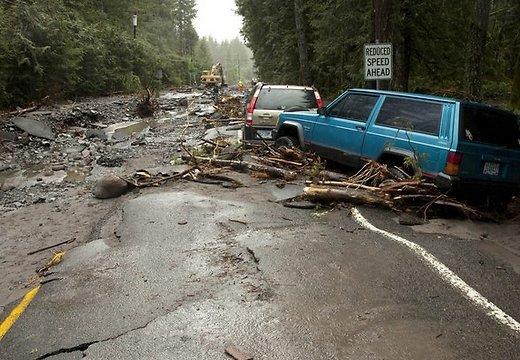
{"x": 181, "y": 280}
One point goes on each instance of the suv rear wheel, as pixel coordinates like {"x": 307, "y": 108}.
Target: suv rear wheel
{"x": 286, "y": 141}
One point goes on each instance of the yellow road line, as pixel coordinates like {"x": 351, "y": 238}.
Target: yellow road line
{"x": 17, "y": 311}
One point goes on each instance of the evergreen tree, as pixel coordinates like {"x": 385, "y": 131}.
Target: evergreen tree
{"x": 467, "y": 48}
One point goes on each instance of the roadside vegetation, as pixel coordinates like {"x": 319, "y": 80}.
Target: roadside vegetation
{"x": 87, "y": 47}
{"x": 468, "y": 49}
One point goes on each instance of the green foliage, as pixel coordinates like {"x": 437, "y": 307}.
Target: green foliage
{"x": 67, "y": 48}
{"x": 430, "y": 41}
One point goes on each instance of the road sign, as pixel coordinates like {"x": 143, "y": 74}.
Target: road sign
{"x": 378, "y": 61}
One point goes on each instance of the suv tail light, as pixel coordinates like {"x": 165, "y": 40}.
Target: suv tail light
{"x": 453, "y": 163}
{"x": 251, "y": 108}
{"x": 319, "y": 100}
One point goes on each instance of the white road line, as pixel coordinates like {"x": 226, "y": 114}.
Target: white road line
{"x": 446, "y": 274}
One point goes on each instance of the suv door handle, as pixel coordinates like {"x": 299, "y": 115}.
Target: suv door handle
{"x": 266, "y": 116}
{"x": 361, "y": 128}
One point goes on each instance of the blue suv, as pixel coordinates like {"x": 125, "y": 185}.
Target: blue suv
{"x": 454, "y": 142}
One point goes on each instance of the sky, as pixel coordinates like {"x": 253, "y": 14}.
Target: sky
{"x": 217, "y": 18}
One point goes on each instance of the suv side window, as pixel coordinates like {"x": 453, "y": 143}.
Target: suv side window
{"x": 357, "y": 107}
{"x": 409, "y": 114}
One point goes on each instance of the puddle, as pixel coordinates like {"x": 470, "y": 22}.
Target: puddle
{"x": 169, "y": 116}
{"x": 288, "y": 192}
{"x": 75, "y": 175}
{"x": 500, "y": 240}
{"x": 221, "y": 132}
{"x": 178, "y": 96}
{"x": 127, "y": 129}
{"x": 33, "y": 171}
{"x": 23, "y": 179}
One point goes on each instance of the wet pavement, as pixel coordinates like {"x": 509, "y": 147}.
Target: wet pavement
{"x": 187, "y": 269}
{"x": 183, "y": 277}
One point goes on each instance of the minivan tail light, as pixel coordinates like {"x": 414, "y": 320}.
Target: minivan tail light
{"x": 453, "y": 162}
{"x": 319, "y": 100}
{"x": 251, "y": 108}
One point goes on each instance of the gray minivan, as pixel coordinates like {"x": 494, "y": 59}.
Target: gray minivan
{"x": 266, "y": 102}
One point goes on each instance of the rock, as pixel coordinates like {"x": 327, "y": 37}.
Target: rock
{"x": 34, "y": 127}
{"x": 4, "y": 167}
{"x": 59, "y": 167}
{"x": 96, "y": 133}
{"x": 110, "y": 161}
{"x": 110, "y": 186}
{"x": 8, "y": 136}
{"x": 410, "y": 220}
{"x": 40, "y": 200}
{"x": 217, "y": 115}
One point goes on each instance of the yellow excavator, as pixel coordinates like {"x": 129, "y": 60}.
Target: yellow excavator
{"x": 213, "y": 77}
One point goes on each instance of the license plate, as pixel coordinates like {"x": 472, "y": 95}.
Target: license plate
{"x": 491, "y": 168}
{"x": 265, "y": 134}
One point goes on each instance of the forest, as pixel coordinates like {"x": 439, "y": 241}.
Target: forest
{"x": 70, "y": 48}
{"x": 468, "y": 49}
{"x": 66, "y": 48}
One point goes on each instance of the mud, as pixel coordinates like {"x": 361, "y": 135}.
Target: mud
{"x": 46, "y": 183}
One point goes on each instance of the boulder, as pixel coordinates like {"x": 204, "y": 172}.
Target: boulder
{"x": 34, "y": 127}
{"x": 96, "y": 133}
{"x": 109, "y": 187}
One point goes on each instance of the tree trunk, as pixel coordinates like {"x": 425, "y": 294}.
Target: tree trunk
{"x": 354, "y": 196}
{"x": 515, "y": 91}
{"x": 404, "y": 49}
{"x": 476, "y": 48}
{"x": 303, "y": 49}
{"x": 382, "y": 30}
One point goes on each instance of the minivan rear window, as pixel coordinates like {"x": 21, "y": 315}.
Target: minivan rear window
{"x": 283, "y": 99}
{"x": 409, "y": 114}
{"x": 489, "y": 126}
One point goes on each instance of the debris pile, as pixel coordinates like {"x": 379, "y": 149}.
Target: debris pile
{"x": 261, "y": 161}
{"x": 375, "y": 185}
{"x": 148, "y": 105}
{"x": 230, "y": 107}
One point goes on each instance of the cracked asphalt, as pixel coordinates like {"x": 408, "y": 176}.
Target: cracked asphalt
{"x": 182, "y": 279}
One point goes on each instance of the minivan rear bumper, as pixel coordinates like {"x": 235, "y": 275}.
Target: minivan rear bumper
{"x": 251, "y": 132}
{"x": 446, "y": 182}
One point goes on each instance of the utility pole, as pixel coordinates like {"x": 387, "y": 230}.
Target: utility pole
{"x": 134, "y": 23}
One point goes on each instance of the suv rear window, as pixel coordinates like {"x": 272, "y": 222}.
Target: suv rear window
{"x": 489, "y": 126}
{"x": 409, "y": 114}
{"x": 283, "y": 99}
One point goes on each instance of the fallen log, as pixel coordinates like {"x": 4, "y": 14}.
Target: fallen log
{"x": 346, "y": 185}
{"x": 20, "y": 112}
{"x": 276, "y": 160}
{"x": 135, "y": 184}
{"x": 348, "y": 195}
{"x": 466, "y": 210}
{"x": 331, "y": 175}
{"x": 245, "y": 165}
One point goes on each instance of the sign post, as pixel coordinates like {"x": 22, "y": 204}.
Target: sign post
{"x": 378, "y": 62}
{"x": 134, "y": 23}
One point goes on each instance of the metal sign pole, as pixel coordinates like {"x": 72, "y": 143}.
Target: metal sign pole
{"x": 378, "y": 82}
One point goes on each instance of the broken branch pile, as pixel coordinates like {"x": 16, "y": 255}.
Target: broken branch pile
{"x": 230, "y": 107}
{"x": 375, "y": 185}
